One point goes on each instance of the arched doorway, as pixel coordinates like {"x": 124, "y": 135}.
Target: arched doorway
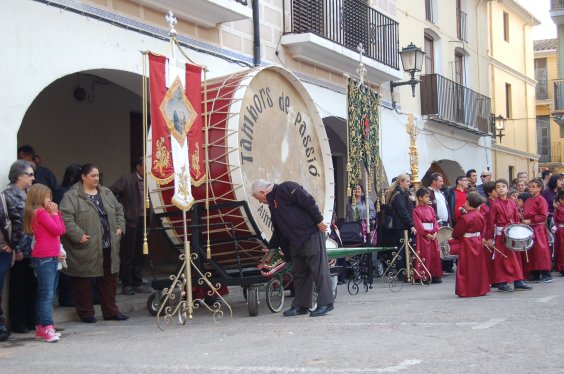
{"x": 448, "y": 168}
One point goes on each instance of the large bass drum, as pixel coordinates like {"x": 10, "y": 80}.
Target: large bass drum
{"x": 263, "y": 124}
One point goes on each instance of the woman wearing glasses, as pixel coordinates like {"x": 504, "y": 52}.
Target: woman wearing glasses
{"x": 23, "y": 285}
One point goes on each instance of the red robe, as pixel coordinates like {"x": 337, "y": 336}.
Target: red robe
{"x": 559, "y": 238}
{"x": 427, "y": 249}
{"x": 471, "y": 269}
{"x": 488, "y": 253}
{"x": 503, "y": 212}
{"x": 536, "y": 210}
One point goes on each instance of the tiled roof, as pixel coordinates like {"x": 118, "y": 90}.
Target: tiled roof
{"x": 545, "y": 45}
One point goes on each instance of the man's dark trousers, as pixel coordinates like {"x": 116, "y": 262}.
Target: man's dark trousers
{"x": 310, "y": 265}
{"x": 131, "y": 255}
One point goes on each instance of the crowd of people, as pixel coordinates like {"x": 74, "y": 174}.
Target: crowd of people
{"x": 79, "y": 227}
{"x": 481, "y": 217}
{"x": 78, "y": 236}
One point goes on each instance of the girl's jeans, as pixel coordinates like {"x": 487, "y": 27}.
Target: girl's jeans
{"x": 46, "y": 273}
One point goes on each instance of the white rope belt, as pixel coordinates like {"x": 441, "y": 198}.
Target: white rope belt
{"x": 472, "y": 234}
{"x": 499, "y": 230}
{"x": 428, "y": 226}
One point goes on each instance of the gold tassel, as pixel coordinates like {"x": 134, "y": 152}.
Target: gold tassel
{"x": 147, "y": 203}
{"x": 208, "y": 251}
{"x": 145, "y": 247}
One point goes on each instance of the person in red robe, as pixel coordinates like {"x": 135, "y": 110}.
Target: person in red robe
{"x": 535, "y": 214}
{"x": 489, "y": 191}
{"x": 559, "y": 234}
{"x": 426, "y": 244}
{"x": 506, "y": 267}
{"x": 471, "y": 270}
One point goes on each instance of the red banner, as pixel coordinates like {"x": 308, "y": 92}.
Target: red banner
{"x": 196, "y": 133}
{"x": 161, "y": 162}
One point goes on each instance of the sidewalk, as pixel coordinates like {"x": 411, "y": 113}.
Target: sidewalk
{"x": 126, "y": 304}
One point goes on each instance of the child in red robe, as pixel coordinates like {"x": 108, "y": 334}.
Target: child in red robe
{"x": 559, "y": 235}
{"x": 471, "y": 271}
{"x": 489, "y": 190}
{"x": 506, "y": 265}
{"x": 535, "y": 214}
{"x": 426, "y": 245}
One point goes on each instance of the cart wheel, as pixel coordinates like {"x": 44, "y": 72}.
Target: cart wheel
{"x": 252, "y": 301}
{"x": 154, "y": 303}
{"x": 275, "y": 295}
{"x": 379, "y": 267}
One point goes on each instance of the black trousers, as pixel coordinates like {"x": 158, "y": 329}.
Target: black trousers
{"x": 131, "y": 255}
{"x": 23, "y": 292}
{"x": 311, "y": 266}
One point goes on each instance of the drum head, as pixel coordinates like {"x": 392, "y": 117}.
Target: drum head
{"x": 281, "y": 137}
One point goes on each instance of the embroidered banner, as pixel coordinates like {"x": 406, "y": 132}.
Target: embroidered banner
{"x": 363, "y": 130}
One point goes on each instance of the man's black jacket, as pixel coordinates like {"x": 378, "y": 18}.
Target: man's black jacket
{"x": 295, "y": 214}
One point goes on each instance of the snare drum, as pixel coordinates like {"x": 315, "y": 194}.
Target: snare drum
{"x": 443, "y": 236}
{"x": 263, "y": 125}
{"x": 518, "y": 237}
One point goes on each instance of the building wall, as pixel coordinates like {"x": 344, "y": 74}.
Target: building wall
{"x": 512, "y": 63}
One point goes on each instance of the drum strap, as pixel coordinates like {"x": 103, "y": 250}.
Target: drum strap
{"x": 472, "y": 234}
{"x": 499, "y": 230}
{"x": 560, "y": 225}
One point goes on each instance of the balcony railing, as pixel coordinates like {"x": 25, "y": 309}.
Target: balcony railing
{"x": 558, "y": 96}
{"x": 348, "y": 23}
{"x": 446, "y": 101}
{"x": 556, "y": 4}
{"x": 541, "y": 91}
{"x": 461, "y": 26}
{"x": 554, "y": 154}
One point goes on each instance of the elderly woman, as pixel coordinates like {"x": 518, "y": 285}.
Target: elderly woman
{"x": 94, "y": 223}
{"x": 23, "y": 286}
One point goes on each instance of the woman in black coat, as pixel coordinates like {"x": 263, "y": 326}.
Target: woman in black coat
{"x": 402, "y": 203}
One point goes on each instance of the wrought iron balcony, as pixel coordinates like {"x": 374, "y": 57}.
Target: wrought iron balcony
{"x": 461, "y": 26}
{"x": 556, "y": 4}
{"x": 446, "y": 101}
{"x": 206, "y": 13}
{"x": 557, "y": 11}
{"x": 338, "y": 27}
{"x": 553, "y": 154}
{"x": 541, "y": 90}
{"x": 559, "y": 96}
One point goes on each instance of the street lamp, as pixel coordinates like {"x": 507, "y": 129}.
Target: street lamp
{"x": 412, "y": 60}
{"x": 498, "y": 125}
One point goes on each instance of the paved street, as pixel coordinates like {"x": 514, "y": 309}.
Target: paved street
{"x": 417, "y": 330}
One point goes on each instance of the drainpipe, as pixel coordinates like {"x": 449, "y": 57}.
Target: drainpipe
{"x": 256, "y": 33}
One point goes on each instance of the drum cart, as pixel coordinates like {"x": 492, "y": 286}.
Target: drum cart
{"x": 230, "y": 264}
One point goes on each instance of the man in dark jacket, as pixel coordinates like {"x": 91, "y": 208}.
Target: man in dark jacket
{"x": 43, "y": 175}
{"x": 299, "y": 229}
{"x": 129, "y": 190}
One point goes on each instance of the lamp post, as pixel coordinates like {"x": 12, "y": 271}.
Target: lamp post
{"x": 498, "y": 123}
{"x": 412, "y": 61}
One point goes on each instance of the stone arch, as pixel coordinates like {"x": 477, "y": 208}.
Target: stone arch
{"x": 86, "y": 117}
{"x": 448, "y": 168}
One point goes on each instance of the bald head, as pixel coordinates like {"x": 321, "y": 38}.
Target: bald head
{"x": 486, "y": 176}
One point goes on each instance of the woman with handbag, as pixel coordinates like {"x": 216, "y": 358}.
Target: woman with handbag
{"x": 23, "y": 285}
{"x": 6, "y": 256}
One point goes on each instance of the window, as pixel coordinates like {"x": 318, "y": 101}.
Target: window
{"x": 429, "y": 16}
{"x": 543, "y": 138}
{"x": 429, "y": 55}
{"x": 508, "y": 110}
{"x": 459, "y": 68}
{"x": 506, "y": 27}
{"x": 541, "y": 78}
{"x": 460, "y": 22}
